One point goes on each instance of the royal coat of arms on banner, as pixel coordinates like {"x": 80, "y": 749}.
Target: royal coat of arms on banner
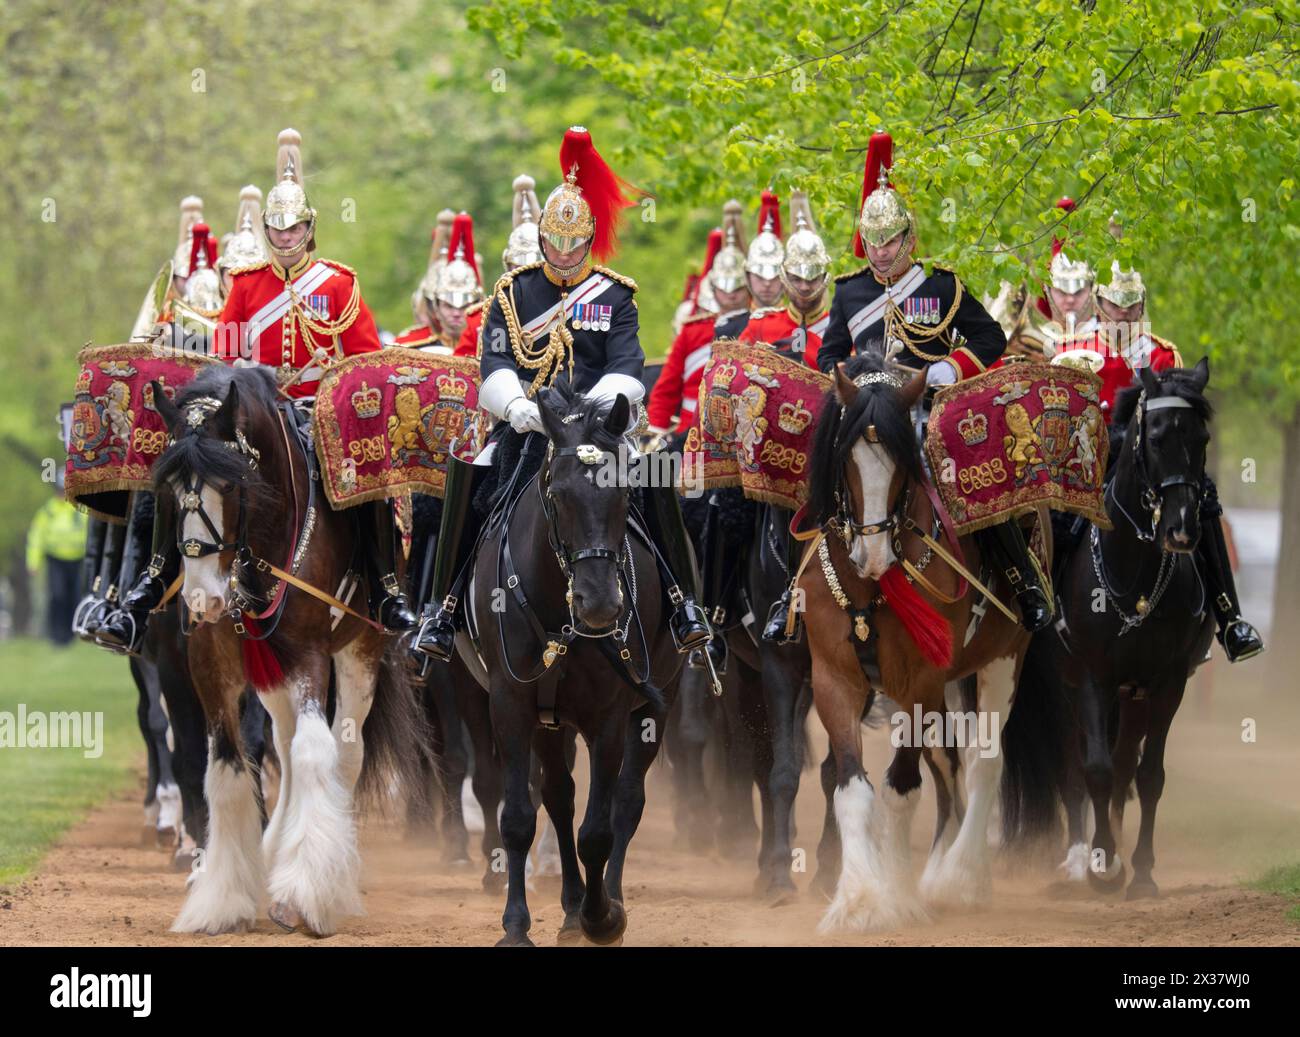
{"x": 117, "y": 433}
{"x": 385, "y": 422}
{"x": 757, "y": 412}
{"x": 1020, "y": 435}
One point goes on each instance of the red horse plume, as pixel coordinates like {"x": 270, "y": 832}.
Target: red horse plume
{"x": 929, "y": 630}
{"x": 462, "y": 237}
{"x": 770, "y": 205}
{"x": 607, "y": 193}
{"x": 880, "y": 154}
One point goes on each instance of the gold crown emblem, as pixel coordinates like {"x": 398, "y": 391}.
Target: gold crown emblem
{"x": 1055, "y": 397}
{"x": 367, "y": 401}
{"x": 974, "y": 428}
{"x": 83, "y": 380}
{"x": 794, "y": 417}
{"x": 451, "y": 386}
{"x": 724, "y": 375}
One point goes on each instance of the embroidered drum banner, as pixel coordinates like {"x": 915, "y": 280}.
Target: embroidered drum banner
{"x": 385, "y": 421}
{"x": 1020, "y": 435}
{"x": 755, "y": 428}
{"x": 117, "y": 432}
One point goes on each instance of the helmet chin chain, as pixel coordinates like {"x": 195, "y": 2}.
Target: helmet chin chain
{"x": 565, "y": 272}
{"x": 302, "y": 246}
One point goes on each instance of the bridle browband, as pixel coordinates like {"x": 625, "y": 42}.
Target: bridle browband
{"x": 197, "y": 411}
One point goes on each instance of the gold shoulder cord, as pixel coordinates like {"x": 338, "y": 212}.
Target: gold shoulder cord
{"x": 914, "y": 335}
{"x": 545, "y": 360}
{"x": 325, "y": 328}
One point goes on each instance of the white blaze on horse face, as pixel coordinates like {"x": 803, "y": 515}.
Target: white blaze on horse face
{"x": 205, "y": 584}
{"x": 871, "y": 555}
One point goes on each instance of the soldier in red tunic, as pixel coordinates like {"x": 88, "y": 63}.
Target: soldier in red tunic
{"x": 298, "y": 315}
{"x": 675, "y": 396}
{"x": 455, "y": 291}
{"x": 796, "y": 328}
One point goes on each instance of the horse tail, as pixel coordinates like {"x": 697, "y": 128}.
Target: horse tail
{"x": 1034, "y": 748}
{"x": 398, "y": 737}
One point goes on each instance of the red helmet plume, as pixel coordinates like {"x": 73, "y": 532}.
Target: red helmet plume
{"x": 461, "y": 243}
{"x": 769, "y": 207}
{"x": 606, "y": 193}
{"x": 880, "y": 156}
{"x": 202, "y": 238}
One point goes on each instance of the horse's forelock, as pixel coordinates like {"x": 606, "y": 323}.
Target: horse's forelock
{"x": 1177, "y": 382}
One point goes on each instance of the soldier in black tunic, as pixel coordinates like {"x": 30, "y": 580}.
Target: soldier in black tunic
{"x": 564, "y": 316}
{"x": 931, "y": 322}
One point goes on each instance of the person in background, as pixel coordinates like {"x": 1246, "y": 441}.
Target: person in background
{"x": 56, "y": 540}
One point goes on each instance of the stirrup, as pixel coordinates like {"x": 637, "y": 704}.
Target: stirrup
{"x": 436, "y": 638}
{"x": 134, "y": 640}
{"x": 777, "y": 615}
{"x": 1240, "y": 640}
{"x": 689, "y": 625}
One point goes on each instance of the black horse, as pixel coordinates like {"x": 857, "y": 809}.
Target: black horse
{"x": 575, "y": 635}
{"x": 1097, "y": 695}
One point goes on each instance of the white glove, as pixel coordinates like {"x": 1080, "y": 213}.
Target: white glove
{"x": 523, "y": 415}
{"x": 941, "y": 373}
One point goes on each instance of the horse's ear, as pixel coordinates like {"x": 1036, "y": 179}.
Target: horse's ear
{"x": 1149, "y": 381}
{"x": 619, "y": 416}
{"x": 551, "y": 421}
{"x": 911, "y": 392}
{"x": 171, "y": 414}
{"x": 1201, "y": 374}
{"x": 224, "y": 419}
{"x": 845, "y": 391}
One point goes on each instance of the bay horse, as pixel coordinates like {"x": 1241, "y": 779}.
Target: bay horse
{"x": 572, "y": 636}
{"x": 868, "y": 497}
{"x": 1106, "y": 688}
{"x": 242, "y": 481}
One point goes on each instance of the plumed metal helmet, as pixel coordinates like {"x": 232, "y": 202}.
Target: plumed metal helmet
{"x": 586, "y": 205}
{"x": 458, "y": 282}
{"x": 246, "y": 246}
{"x": 701, "y": 295}
{"x": 1067, "y": 275}
{"x": 286, "y": 203}
{"x": 883, "y": 215}
{"x": 191, "y": 213}
{"x": 1126, "y": 287}
{"x": 203, "y": 287}
{"x": 766, "y": 251}
{"x": 422, "y": 297}
{"x": 728, "y": 270}
{"x": 524, "y": 246}
{"x": 805, "y": 253}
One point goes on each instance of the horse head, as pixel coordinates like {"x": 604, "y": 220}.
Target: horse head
{"x": 585, "y": 500}
{"x": 1166, "y": 418}
{"x": 222, "y": 427}
{"x": 864, "y": 453}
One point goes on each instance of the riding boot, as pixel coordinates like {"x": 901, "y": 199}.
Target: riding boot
{"x": 124, "y": 629}
{"x": 778, "y": 616}
{"x": 110, "y": 562}
{"x": 391, "y": 608}
{"x": 688, "y": 622}
{"x": 717, "y": 566}
{"x": 96, "y": 531}
{"x": 1006, "y": 543}
{"x": 437, "y": 635}
{"x": 1240, "y": 640}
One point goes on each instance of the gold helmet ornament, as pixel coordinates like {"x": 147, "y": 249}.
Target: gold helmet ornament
{"x": 883, "y": 214}
{"x": 766, "y": 251}
{"x": 458, "y": 281}
{"x": 805, "y": 253}
{"x": 201, "y": 302}
{"x": 728, "y": 270}
{"x": 584, "y": 209}
{"x": 524, "y": 247}
{"x": 191, "y": 213}
{"x": 245, "y": 246}
{"x": 286, "y": 203}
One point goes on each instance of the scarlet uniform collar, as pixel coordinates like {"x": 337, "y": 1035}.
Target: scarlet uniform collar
{"x": 812, "y": 318}
{"x": 298, "y": 267}
{"x": 553, "y": 276}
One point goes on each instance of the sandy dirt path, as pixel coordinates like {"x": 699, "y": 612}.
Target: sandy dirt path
{"x": 1231, "y": 809}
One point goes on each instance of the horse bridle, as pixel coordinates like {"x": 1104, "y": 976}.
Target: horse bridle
{"x": 1152, "y": 496}
{"x": 588, "y": 454}
{"x": 844, "y": 523}
{"x": 197, "y": 411}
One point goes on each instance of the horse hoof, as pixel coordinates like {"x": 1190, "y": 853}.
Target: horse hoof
{"x": 1108, "y": 883}
{"x": 515, "y": 940}
{"x": 570, "y": 933}
{"x": 165, "y": 839}
{"x": 286, "y": 917}
{"x": 781, "y": 894}
{"x": 1142, "y": 889}
{"x": 494, "y": 882}
{"x": 610, "y": 929}
{"x": 183, "y": 861}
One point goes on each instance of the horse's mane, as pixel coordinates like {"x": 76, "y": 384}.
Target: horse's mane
{"x": 840, "y": 428}
{"x": 207, "y": 456}
{"x": 1176, "y": 381}
{"x": 564, "y": 401}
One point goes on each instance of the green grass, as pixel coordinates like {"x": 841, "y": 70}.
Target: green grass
{"x": 1284, "y": 880}
{"x": 45, "y": 791}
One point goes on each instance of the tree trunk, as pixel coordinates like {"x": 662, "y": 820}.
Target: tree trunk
{"x": 1286, "y": 591}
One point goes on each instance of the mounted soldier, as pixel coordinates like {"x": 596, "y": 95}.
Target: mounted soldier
{"x": 455, "y": 292}
{"x": 892, "y": 307}
{"x": 763, "y": 261}
{"x": 298, "y": 315}
{"x": 570, "y": 316}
